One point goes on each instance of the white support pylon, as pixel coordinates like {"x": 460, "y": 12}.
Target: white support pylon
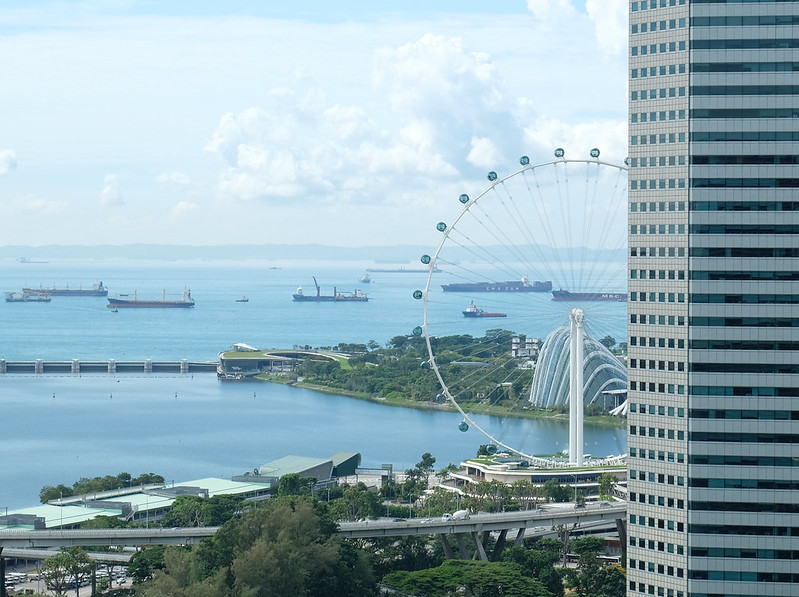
{"x": 576, "y": 399}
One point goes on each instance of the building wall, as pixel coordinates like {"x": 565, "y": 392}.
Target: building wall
{"x": 714, "y": 286}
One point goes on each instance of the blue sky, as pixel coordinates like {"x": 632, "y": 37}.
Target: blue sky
{"x": 347, "y": 123}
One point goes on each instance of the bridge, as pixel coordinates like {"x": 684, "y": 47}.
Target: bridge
{"x": 479, "y": 526}
{"x": 40, "y": 366}
{"x": 124, "y": 537}
{"x": 482, "y": 526}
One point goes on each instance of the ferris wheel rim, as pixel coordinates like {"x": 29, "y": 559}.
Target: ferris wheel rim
{"x": 432, "y": 261}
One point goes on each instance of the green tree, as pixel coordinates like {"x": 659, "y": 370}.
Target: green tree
{"x": 293, "y": 484}
{"x": 553, "y": 491}
{"x": 591, "y": 578}
{"x": 49, "y": 493}
{"x": 527, "y": 493}
{"x": 606, "y": 482}
{"x": 537, "y": 563}
{"x": 194, "y": 511}
{"x": 145, "y": 562}
{"x": 608, "y": 342}
{"x": 356, "y": 502}
{"x": 440, "y": 500}
{"x": 55, "y": 571}
{"x": 476, "y": 578}
{"x": 79, "y": 566}
{"x": 417, "y": 478}
{"x": 61, "y": 570}
{"x": 284, "y": 546}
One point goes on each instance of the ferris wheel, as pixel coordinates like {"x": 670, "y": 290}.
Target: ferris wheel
{"x": 514, "y": 261}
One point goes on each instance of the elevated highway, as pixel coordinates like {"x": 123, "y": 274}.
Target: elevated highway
{"x": 23, "y": 539}
{"x": 548, "y": 517}
{"x": 479, "y": 526}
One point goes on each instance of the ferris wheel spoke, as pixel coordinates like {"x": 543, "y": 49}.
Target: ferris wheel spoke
{"x": 559, "y": 224}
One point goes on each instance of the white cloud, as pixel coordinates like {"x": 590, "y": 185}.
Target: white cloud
{"x": 391, "y": 114}
{"x": 552, "y": 10}
{"x": 174, "y": 180}
{"x": 484, "y": 153}
{"x": 36, "y": 206}
{"x": 183, "y": 209}
{"x": 577, "y": 139}
{"x": 443, "y": 112}
{"x": 610, "y": 24}
{"x": 8, "y": 161}
{"x": 111, "y": 193}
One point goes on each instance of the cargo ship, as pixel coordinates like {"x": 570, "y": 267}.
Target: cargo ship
{"x": 336, "y": 297}
{"x": 183, "y": 303}
{"x": 95, "y": 290}
{"x": 27, "y": 297}
{"x": 474, "y": 311}
{"x": 565, "y": 295}
{"x": 523, "y": 285}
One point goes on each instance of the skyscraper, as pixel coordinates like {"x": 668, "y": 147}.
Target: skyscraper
{"x": 714, "y": 298}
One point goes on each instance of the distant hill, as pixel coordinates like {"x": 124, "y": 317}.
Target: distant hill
{"x": 398, "y": 255}
{"x": 394, "y": 254}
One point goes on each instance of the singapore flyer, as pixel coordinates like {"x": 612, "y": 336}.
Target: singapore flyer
{"x": 516, "y": 261}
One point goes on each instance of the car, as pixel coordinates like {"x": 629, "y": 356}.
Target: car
{"x": 399, "y": 520}
{"x": 579, "y": 506}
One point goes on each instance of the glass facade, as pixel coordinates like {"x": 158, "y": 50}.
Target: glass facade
{"x": 714, "y": 279}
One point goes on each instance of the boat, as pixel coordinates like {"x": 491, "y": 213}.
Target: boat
{"x": 243, "y": 299}
{"x": 183, "y": 303}
{"x": 474, "y": 311}
{"x": 565, "y": 295}
{"x": 336, "y": 297}
{"x": 365, "y": 279}
{"x": 523, "y": 285}
{"x": 28, "y": 260}
{"x": 27, "y": 297}
{"x": 95, "y": 290}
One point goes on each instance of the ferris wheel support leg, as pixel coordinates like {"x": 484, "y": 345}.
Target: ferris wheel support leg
{"x": 576, "y": 406}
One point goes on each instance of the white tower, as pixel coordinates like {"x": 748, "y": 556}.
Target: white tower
{"x": 576, "y": 406}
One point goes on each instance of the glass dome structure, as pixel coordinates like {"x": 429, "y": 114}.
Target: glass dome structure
{"x": 602, "y": 372}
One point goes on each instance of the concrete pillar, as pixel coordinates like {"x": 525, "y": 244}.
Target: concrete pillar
{"x": 621, "y": 527}
{"x": 576, "y": 397}
{"x": 465, "y": 555}
{"x": 519, "y": 537}
{"x": 448, "y": 553}
{"x": 481, "y": 552}
{"x": 496, "y": 556}
{"x": 3, "y": 592}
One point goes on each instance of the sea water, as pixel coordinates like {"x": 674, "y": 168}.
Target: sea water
{"x": 59, "y": 428}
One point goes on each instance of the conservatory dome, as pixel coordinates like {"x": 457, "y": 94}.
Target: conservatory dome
{"x": 602, "y": 371}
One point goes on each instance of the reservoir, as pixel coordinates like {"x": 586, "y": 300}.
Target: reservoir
{"x": 59, "y": 428}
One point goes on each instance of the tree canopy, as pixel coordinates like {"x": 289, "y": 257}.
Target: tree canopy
{"x": 96, "y": 484}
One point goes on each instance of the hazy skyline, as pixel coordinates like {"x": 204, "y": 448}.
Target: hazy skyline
{"x": 259, "y": 122}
